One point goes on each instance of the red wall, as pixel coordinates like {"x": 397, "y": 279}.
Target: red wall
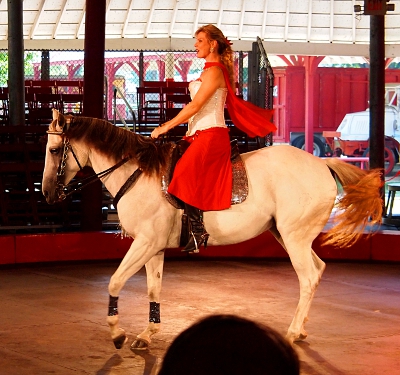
{"x": 337, "y": 91}
{"x": 19, "y": 249}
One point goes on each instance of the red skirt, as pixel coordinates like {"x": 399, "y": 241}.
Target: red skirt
{"x": 203, "y": 176}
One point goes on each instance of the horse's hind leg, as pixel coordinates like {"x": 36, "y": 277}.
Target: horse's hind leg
{"x": 309, "y": 272}
{"x": 317, "y": 265}
{"x": 320, "y": 266}
{"x": 154, "y": 272}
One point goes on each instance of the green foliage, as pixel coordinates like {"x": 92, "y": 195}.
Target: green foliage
{"x": 28, "y": 66}
{"x": 3, "y": 68}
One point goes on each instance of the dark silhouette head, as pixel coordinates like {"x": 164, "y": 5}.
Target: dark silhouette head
{"x": 230, "y": 345}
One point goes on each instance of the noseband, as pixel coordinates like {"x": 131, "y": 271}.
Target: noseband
{"x": 63, "y": 190}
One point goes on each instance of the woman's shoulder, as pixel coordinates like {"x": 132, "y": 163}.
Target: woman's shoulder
{"x": 213, "y": 73}
{"x": 213, "y": 70}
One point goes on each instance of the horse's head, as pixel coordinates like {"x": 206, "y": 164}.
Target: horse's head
{"x": 59, "y": 169}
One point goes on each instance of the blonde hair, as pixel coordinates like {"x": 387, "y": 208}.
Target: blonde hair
{"x": 224, "y": 48}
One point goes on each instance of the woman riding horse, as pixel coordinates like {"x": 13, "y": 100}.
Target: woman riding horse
{"x": 203, "y": 176}
{"x": 116, "y": 156}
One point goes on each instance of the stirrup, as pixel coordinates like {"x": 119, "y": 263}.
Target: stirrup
{"x": 194, "y": 244}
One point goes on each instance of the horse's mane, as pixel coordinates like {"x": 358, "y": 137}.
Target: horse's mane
{"x": 117, "y": 142}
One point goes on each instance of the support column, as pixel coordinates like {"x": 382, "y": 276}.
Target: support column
{"x": 141, "y": 68}
{"x": 240, "y": 73}
{"x": 169, "y": 66}
{"x": 377, "y": 92}
{"x": 93, "y": 86}
{"x": 16, "y": 84}
{"x": 45, "y": 66}
{"x": 93, "y": 102}
{"x": 311, "y": 64}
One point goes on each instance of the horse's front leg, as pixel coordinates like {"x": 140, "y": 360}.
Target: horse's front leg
{"x": 140, "y": 252}
{"x": 154, "y": 271}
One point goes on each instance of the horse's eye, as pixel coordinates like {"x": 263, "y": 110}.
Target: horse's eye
{"x": 54, "y": 151}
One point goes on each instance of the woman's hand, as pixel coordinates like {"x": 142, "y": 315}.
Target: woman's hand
{"x": 162, "y": 129}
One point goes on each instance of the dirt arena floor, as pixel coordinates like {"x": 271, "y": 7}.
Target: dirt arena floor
{"x": 54, "y": 315}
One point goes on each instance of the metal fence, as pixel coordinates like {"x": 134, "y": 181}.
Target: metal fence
{"x": 22, "y": 204}
{"x": 125, "y": 70}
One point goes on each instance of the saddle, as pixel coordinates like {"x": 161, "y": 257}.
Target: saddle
{"x": 240, "y": 187}
{"x": 174, "y": 151}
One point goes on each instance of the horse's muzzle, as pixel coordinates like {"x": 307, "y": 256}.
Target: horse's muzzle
{"x": 58, "y": 196}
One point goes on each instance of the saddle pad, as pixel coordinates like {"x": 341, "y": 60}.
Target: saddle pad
{"x": 240, "y": 187}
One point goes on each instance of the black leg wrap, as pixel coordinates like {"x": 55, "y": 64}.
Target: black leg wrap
{"x": 113, "y": 306}
{"x": 154, "y": 314}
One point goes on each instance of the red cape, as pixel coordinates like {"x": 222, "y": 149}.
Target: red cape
{"x": 249, "y": 118}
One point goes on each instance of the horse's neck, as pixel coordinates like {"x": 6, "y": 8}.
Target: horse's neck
{"x": 115, "y": 179}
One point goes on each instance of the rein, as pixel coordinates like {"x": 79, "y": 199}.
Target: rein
{"x": 63, "y": 190}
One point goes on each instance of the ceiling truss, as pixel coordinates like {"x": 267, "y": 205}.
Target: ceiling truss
{"x": 311, "y": 27}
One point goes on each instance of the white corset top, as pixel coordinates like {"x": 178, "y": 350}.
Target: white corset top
{"x": 211, "y": 114}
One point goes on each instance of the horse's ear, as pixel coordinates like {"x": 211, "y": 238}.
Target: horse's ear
{"x": 57, "y": 119}
{"x": 55, "y": 114}
{"x": 60, "y": 121}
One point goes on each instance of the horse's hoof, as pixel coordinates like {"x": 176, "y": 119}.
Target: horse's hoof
{"x": 120, "y": 341}
{"x": 301, "y": 337}
{"x": 140, "y": 344}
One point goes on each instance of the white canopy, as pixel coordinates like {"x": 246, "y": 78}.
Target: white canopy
{"x": 297, "y": 27}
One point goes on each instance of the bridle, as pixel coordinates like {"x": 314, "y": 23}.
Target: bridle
{"x": 63, "y": 190}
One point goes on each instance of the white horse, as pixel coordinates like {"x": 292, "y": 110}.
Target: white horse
{"x": 291, "y": 193}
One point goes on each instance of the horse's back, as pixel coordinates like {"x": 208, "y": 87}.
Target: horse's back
{"x": 298, "y": 184}
{"x": 286, "y": 167}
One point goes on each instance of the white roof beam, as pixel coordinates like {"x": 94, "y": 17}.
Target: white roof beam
{"x": 331, "y": 21}
{"x": 309, "y": 20}
{"x": 36, "y": 23}
{"x": 153, "y": 5}
{"x": 301, "y": 21}
{"x": 197, "y": 16}
{"x": 221, "y": 11}
{"x": 264, "y": 19}
{"x": 173, "y": 20}
{"x": 80, "y": 24}
{"x": 353, "y": 26}
{"x": 126, "y": 21}
{"x": 186, "y": 44}
{"x": 287, "y": 15}
{"x": 241, "y": 19}
{"x": 60, "y": 15}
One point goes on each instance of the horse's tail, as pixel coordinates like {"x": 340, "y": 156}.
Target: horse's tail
{"x": 359, "y": 206}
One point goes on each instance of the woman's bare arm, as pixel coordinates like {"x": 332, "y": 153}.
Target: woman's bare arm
{"x": 212, "y": 79}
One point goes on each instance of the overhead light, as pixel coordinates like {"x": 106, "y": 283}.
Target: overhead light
{"x": 390, "y": 7}
{"x": 377, "y": 7}
{"x": 374, "y": 7}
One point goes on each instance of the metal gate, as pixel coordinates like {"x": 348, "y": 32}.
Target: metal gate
{"x": 261, "y": 83}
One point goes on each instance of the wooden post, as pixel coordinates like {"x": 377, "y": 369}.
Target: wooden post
{"x": 93, "y": 100}
{"x": 16, "y": 84}
{"x": 377, "y": 92}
